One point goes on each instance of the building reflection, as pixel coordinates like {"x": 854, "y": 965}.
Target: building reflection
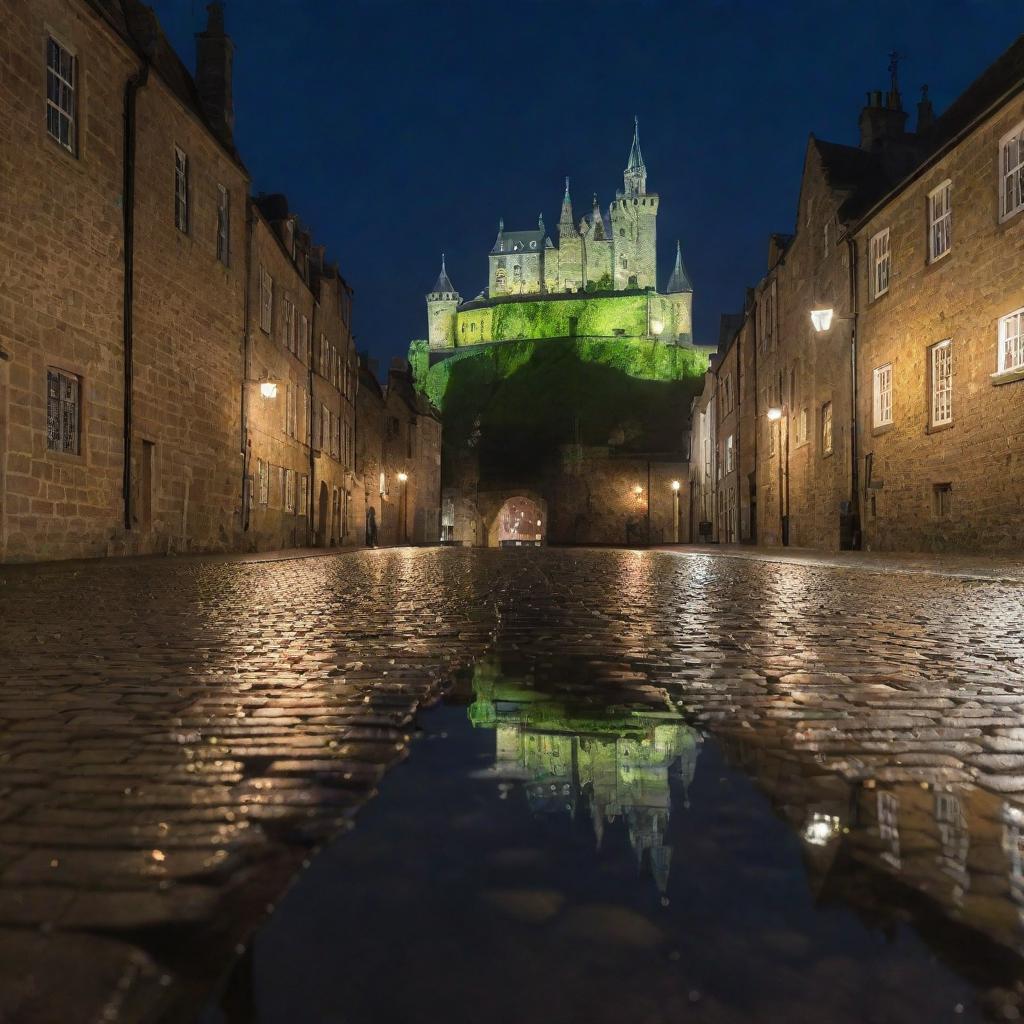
{"x": 612, "y": 762}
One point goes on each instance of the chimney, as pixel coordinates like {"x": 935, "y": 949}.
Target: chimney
{"x": 214, "y": 51}
{"x": 925, "y": 113}
{"x": 882, "y": 123}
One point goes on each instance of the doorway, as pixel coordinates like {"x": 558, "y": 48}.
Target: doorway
{"x": 520, "y": 524}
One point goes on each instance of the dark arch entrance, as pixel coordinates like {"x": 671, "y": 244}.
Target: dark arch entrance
{"x": 521, "y": 523}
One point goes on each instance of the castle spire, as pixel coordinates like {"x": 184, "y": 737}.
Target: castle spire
{"x": 680, "y": 280}
{"x": 443, "y": 284}
{"x": 635, "y": 175}
{"x": 597, "y": 220}
{"x": 566, "y": 224}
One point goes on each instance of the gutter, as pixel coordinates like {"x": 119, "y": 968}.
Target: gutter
{"x": 131, "y": 91}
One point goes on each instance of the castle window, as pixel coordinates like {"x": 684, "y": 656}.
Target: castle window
{"x": 826, "y": 429}
{"x": 623, "y": 262}
{"x": 941, "y": 360}
{"x": 266, "y": 300}
{"x": 622, "y": 232}
{"x": 517, "y": 273}
{"x": 60, "y": 94}
{"x": 180, "y": 190}
{"x": 223, "y": 224}
{"x": 883, "y": 395}
{"x": 1011, "y": 342}
{"x": 500, "y": 279}
{"x": 62, "y": 412}
{"x": 881, "y": 264}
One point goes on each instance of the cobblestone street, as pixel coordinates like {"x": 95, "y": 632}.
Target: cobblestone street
{"x": 177, "y": 737}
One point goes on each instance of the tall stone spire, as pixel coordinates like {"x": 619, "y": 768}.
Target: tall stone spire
{"x": 597, "y": 220}
{"x": 443, "y": 284}
{"x": 680, "y": 280}
{"x": 635, "y": 175}
{"x": 566, "y": 225}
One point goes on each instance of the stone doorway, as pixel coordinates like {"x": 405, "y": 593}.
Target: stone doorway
{"x": 521, "y": 523}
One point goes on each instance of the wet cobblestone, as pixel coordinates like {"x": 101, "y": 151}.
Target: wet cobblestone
{"x": 176, "y": 738}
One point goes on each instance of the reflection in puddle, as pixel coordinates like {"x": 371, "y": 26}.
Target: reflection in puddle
{"x": 556, "y": 850}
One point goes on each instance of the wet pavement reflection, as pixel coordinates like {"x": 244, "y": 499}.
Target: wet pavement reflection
{"x": 553, "y": 852}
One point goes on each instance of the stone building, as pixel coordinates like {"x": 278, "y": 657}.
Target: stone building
{"x": 177, "y": 368}
{"x": 122, "y": 206}
{"x": 892, "y": 418}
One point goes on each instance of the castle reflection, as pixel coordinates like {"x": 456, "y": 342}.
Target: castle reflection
{"x": 612, "y": 761}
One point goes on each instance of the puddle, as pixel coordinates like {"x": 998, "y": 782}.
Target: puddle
{"x": 547, "y": 853}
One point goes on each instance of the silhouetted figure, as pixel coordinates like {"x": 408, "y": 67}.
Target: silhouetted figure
{"x": 371, "y": 527}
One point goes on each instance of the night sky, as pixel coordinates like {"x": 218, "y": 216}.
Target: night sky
{"x": 401, "y": 129}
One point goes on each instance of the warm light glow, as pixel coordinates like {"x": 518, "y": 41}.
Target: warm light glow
{"x": 638, "y": 490}
{"x": 675, "y": 485}
{"x": 657, "y": 327}
{"x": 268, "y": 389}
{"x": 402, "y": 477}
{"x": 820, "y": 829}
{"x": 821, "y": 319}
{"x": 774, "y": 413}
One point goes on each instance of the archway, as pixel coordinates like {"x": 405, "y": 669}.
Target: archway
{"x": 521, "y": 523}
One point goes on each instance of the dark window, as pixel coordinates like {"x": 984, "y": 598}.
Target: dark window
{"x": 60, "y": 94}
{"x": 63, "y": 391}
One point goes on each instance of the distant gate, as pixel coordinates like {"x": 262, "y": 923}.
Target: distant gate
{"x": 520, "y": 524}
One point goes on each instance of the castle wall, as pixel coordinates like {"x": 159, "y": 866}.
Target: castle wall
{"x": 634, "y": 232}
{"x": 598, "y": 253}
{"x": 520, "y": 273}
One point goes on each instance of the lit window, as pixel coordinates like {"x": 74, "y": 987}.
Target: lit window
{"x": 941, "y": 360}
{"x": 1011, "y": 173}
{"x": 266, "y": 300}
{"x": 940, "y": 218}
{"x": 1011, "y": 342}
{"x": 880, "y": 263}
{"x": 63, "y": 412}
{"x": 223, "y": 224}
{"x": 826, "y": 429}
{"x": 180, "y": 190}
{"x": 60, "y": 94}
{"x": 730, "y": 454}
{"x": 801, "y": 426}
{"x": 883, "y": 395}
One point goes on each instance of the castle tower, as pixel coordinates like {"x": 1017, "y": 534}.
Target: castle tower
{"x": 634, "y": 218}
{"x": 680, "y": 293}
{"x": 570, "y": 249}
{"x": 442, "y": 302}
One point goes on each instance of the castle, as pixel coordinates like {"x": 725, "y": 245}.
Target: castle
{"x": 599, "y": 281}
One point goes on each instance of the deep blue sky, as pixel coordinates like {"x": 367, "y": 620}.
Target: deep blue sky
{"x": 401, "y": 128}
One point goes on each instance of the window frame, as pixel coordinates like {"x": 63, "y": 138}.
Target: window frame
{"x": 1017, "y": 132}
{"x": 182, "y": 190}
{"x": 58, "y": 407}
{"x": 934, "y": 393}
{"x": 878, "y": 413}
{"x": 71, "y": 146}
{"x": 827, "y": 436}
{"x": 223, "y": 225}
{"x": 1018, "y": 315}
{"x": 945, "y": 188}
{"x": 266, "y": 300}
{"x": 875, "y": 261}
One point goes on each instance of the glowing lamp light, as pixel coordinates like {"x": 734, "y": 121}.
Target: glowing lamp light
{"x": 820, "y": 829}
{"x": 774, "y": 413}
{"x": 657, "y": 327}
{"x": 268, "y": 389}
{"x": 821, "y": 319}
{"x": 638, "y": 490}
{"x": 402, "y": 477}
{"x": 675, "y": 485}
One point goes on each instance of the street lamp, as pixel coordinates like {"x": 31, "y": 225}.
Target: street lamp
{"x": 675, "y": 511}
{"x": 403, "y": 479}
{"x": 267, "y": 386}
{"x": 821, "y": 320}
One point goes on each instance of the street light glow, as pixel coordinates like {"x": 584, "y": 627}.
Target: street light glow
{"x": 774, "y": 413}
{"x": 820, "y": 829}
{"x": 821, "y": 319}
{"x": 268, "y": 389}
{"x": 675, "y": 485}
{"x": 638, "y": 490}
{"x": 402, "y": 477}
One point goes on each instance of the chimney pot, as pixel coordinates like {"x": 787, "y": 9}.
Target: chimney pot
{"x": 214, "y": 54}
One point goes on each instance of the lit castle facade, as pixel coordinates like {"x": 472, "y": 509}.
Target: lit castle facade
{"x": 600, "y": 280}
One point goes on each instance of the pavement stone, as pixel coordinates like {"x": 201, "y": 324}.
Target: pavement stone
{"x": 178, "y": 737}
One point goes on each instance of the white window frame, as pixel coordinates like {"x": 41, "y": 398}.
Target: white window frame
{"x": 940, "y": 373}
{"x": 940, "y": 221}
{"x": 882, "y": 395}
{"x": 1011, "y": 344}
{"x": 730, "y": 454}
{"x": 1011, "y": 173}
{"x": 880, "y": 263}
{"x": 801, "y": 426}
{"x": 223, "y": 225}
{"x": 827, "y": 439}
{"x": 181, "y": 190}
{"x": 61, "y": 94}
{"x": 266, "y": 301}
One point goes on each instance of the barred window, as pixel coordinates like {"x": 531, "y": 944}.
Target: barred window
{"x": 881, "y": 265}
{"x": 940, "y": 238}
{"x": 1011, "y": 173}
{"x": 223, "y": 224}
{"x": 60, "y": 94}
{"x": 826, "y": 429}
{"x": 266, "y": 301}
{"x": 180, "y": 190}
{"x": 1011, "y": 342}
{"x": 63, "y": 412}
{"x": 941, "y": 359}
{"x": 883, "y": 395}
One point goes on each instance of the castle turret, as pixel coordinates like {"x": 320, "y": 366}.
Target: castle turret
{"x": 680, "y": 293}
{"x": 570, "y": 249}
{"x": 634, "y": 225}
{"x": 442, "y": 302}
